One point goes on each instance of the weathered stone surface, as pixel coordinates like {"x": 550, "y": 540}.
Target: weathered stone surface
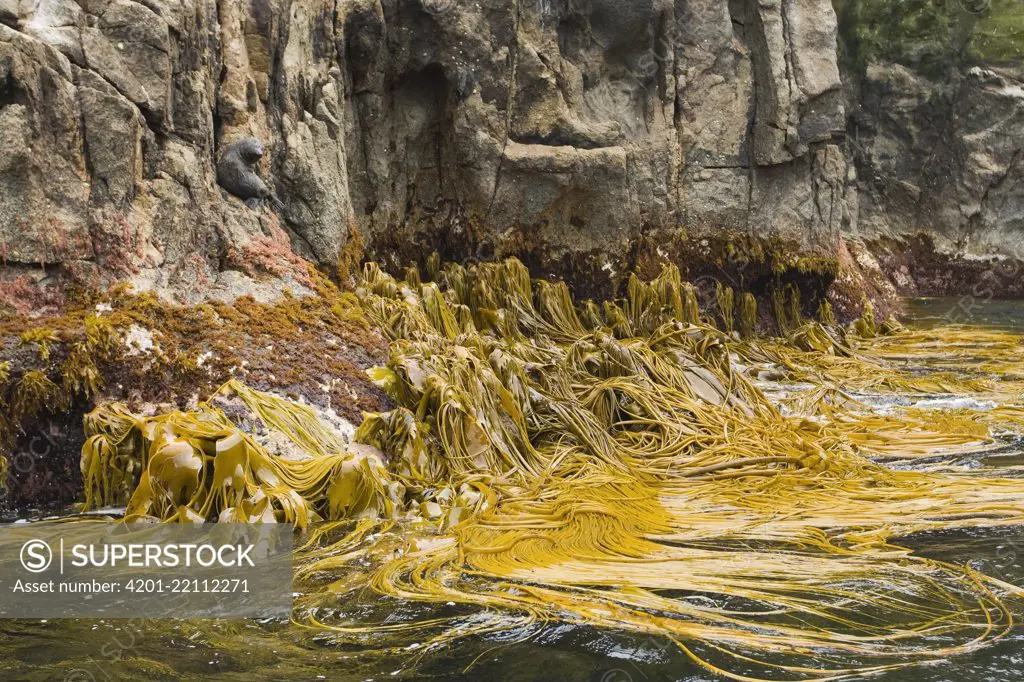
{"x": 566, "y": 133}
{"x": 44, "y": 186}
{"x": 943, "y": 160}
{"x": 113, "y": 138}
{"x": 127, "y": 44}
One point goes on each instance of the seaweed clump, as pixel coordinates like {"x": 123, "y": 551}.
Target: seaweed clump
{"x": 199, "y": 466}
{"x": 61, "y": 369}
{"x": 747, "y": 315}
{"x": 589, "y": 463}
{"x": 138, "y": 349}
{"x": 726, "y": 305}
{"x": 865, "y": 325}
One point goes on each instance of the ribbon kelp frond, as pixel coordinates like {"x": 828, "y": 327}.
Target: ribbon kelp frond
{"x": 200, "y": 465}
{"x": 617, "y": 464}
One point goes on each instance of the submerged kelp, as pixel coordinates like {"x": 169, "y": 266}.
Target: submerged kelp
{"x": 613, "y": 465}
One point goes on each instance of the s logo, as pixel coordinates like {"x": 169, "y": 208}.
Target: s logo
{"x": 36, "y": 556}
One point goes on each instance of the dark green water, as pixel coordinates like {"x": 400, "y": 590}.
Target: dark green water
{"x": 83, "y": 651}
{"x": 970, "y": 311}
{"x": 86, "y": 650}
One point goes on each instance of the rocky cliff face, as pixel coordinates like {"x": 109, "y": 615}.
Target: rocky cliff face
{"x": 941, "y": 164}
{"x": 588, "y": 137}
{"x": 936, "y": 133}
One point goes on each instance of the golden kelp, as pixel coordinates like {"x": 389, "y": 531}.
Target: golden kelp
{"x": 611, "y": 465}
{"x": 51, "y": 384}
{"x": 747, "y": 315}
{"x": 199, "y": 465}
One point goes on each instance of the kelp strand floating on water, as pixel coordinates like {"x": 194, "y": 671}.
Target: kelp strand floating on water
{"x": 611, "y": 465}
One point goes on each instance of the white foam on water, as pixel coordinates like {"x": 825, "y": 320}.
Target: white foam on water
{"x": 956, "y": 403}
